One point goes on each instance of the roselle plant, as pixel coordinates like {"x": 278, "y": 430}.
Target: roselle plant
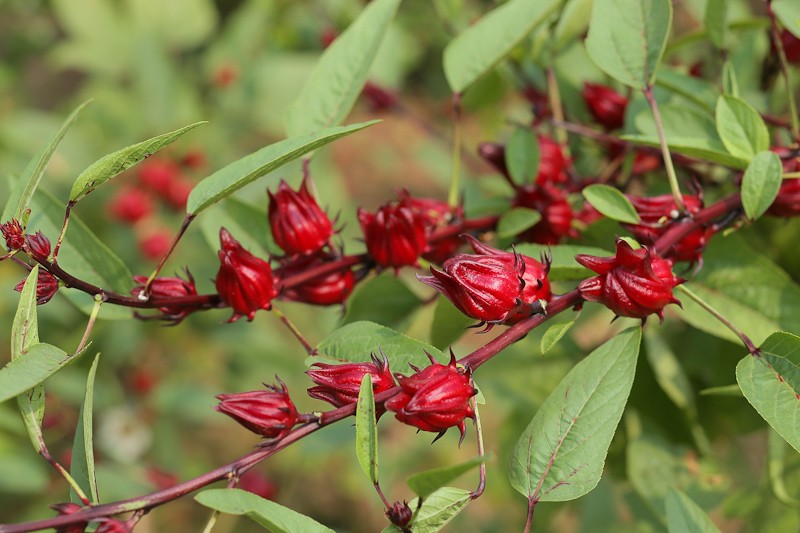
{"x": 632, "y": 186}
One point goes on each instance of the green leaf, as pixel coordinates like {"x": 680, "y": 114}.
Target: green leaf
{"x": 384, "y": 299}
{"x": 697, "y": 90}
{"x": 704, "y": 149}
{"x": 611, "y": 202}
{"x": 24, "y": 334}
{"x": 560, "y": 455}
{"x": 448, "y": 324}
{"x": 426, "y": 483}
{"x": 723, "y": 390}
{"x": 22, "y": 193}
{"x": 233, "y": 177}
{"x": 276, "y": 518}
{"x": 555, "y": 333}
{"x": 729, "y": 84}
{"x": 82, "y": 467}
{"x": 367, "y": 430}
{"x": 476, "y": 50}
{"x": 627, "y": 38}
{"x": 39, "y": 363}
{"x": 788, "y": 13}
{"x": 771, "y": 383}
{"x": 685, "y": 516}
{"x": 516, "y": 220}
{"x": 668, "y": 371}
{"x": 437, "y": 510}
{"x": 564, "y": 267}
{"x": 355, "y": 342}
{"x": 716, "y": 21}
{"x": 337, "y": 80}
{"x": 572, "y": 22}
{"x": 115, "y": 163}
{"x": 522, "y": 156}
{"x": 761, "y": 183}
{"x": 776, "y": 468}
{"x": 740, "y": 127}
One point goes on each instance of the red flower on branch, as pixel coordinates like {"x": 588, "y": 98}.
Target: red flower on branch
{"x": 168, "y": 287}
{"x": 606, "y": 105}
{"x": 46, "y": 287}
{"x": 331, "y": 289}
{"x": 13, "y": 234}
{"x": 340, "y": 384}
{"x": 244, "y": 281}
{"x": 38, "y": 246}
{"x": 298, "y": 224}
{"x": 269, "y": 412}
{"x": 130, "y": 205}
{"x": 395, "y": 235}
{"x": 435, "y": 214}
{"x": 557, "y": 214}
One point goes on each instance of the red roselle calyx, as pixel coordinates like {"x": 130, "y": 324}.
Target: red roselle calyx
{"x": 69, "y": 508}
{"x": 552, "y": 163}
{"x": 269, "y": 413}
{"x": 557, "y": 214}
{"x": 46, "y": 287}
{"x": 339, "y": 385}
{"x": 787, "y": 203}
{"x": 434, "y": 214}
{"x": 243, "y": 281}
{"x": 606, "y": 105}
{"x": 13, "y": 234}
{"x": 330, "y": 289}
{"x": 399, "y": 514}
{"x": 298, "y": 224}
{"x": 109, "y": 525}
{"x": 634, "y": 283}
{"x": 167, "y": 287}
{"x": 435, "y": 398}
{"x": 130, "y": 205}
{"x": 38, "y": 246}
{"x": 395, "y": 235}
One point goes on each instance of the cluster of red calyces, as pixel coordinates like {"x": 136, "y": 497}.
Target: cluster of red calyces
{"x": 435, "y": 398}
{"x": 606, "y": 105}
{"x": 787, "y": 203}
{"x": 339, "y": 385}
{"x": 36, "y": 246}
{"x": 492, "y": 286}
{"x": 394, "y": 235}
{"x": 634, "y": 283}
{"x": 268, "y": 412}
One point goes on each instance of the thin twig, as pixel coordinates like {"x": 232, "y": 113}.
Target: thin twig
{"x": 310, "y": 350}
{"x": 671, "y": 176}
{"x": 145, "y": 294}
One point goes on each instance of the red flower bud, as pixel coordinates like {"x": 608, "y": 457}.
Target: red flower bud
{"x": 65, "y": 509}
{"x": 605, "y": 104}
{"x": 395, "y": 235}
{"x": 178, "y": 194}
{"x": 552, "y": 163}
{"x": 330, "y": 289}
{"x": 169, "y": 288}
{"x": 109, "y": 525}
{"x": 435, "y": 398}
{"x": 130, "y": 205}
{"x": 194, "y": 159}
{"x": 399, "y": 514}
{"x": 155, "y": 244}
{"x": 269, "y": 412}
{"x": 298, "y": 224}
{"x": 13, "y": 234}
{"x": 340, "y": 384}
{"x": 379, "y": 98}
{"x": 258, "y": 484}
{"x": 787, "y": 203}
{"x": 46, "y": 287}
{"x": 791, "y": 46}
{"x": 557, "y": 214}
{"x": 38, "y": 246}
{"x": 539, "y": 102}
{"x": 157, "y": 175}
{"x": 435, "y": 214}
{"x": 244, "y": 281}
{"x": 634, "y": 283}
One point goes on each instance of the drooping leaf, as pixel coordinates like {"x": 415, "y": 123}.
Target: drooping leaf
{"x": 522, "y": 156}
{"x": 426, "y": 483}
{"x": 115, "y": 163}
{"x": 21, "y": 195}
{"x": 233, "y": 177}
{"x": 776, "y": 468}
{"x": 337, "y": 80}
{"x": 437, "y": 510}
{"x": 760, "y": 184}
{"x": 82, "y": 467}
{"x": 384, "y": 299}
{"x": 685, "y": 516}
{"x": 611, "y": 202}
{"x": 25, "y": 372}
{"x": 564, "y": 266}
{"x": 555, "y": 332}
{"x": 771, "y": 383}
{"x": 716, "y": 21}
{"x": 448, "y": 324}
{"x": 516, "y": 220}
{"x": 476, "y": 50}
{"x": 740, "y": 127}
{"x": 275, "y": 517}
{"x": 627, "y": 38}
{"x": 367, "y": 430}
{"x": 788, "y": 13}
{"x": 560, "y": 455}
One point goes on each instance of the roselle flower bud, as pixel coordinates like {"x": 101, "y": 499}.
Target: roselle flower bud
{"x": 435, "y": 398}
{"x": 69, "y": 508}
{"x": 258, "y": 484}
{"x": 167, "y": 287}
{"x": 787, "y": 203}
{"x": 243, "y": 281}
{"x": 13, "y": 234}
{"x": 38, "y": 246}
{"x": 605, "y": 104}
{"x": 435, "y": 214}
{"x": 130, "y": 205}
{"x": 269, "y": 412}
{"x": 379, "y": 98}
{"x": 157, "y": 174}
{"x": 330, "y": 289}
{"x": 395, "y": 235}
{"x": 634, "y": 283}
{"x": 552, "y": 163}
{"x": 46, "y": 287}
{"x": 791, "y": 46}
{"x": 399, "y": 514}
{"x": 340, "y": 384}
{"x": 155, "y": 243}
{"x": 110, "y": 525}
{"x": 557, "y": 214}
{"x": 298, "y": 224}
{"x": 539, "y": 101}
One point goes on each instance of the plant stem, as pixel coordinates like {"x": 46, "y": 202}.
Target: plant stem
{"x": 310, "y": 350}
{"x": 787, "y": 78}
{"x": 481, "y": 449}
{"x": 145, "y": 294}
{"x": 673, "y": 178}
{"x": 529, "y": 519}
{"x": 554, "y": 96}
{"x": 386, "y": 503}
{"x": 453, "y": 195}
{"x": 98, "y": 301}
{"x": 70, "y": 205}
{"x": 212, "y": 520}
{"x": 45, "y": 453}
{"x": 751, "y": 347}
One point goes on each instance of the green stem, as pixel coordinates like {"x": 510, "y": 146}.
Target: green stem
{"x": 554, "y": 96}
{"x": 145, "y": 294}
{"x": 751, "y": 347}
{"x": 453, "y": 196}
{"x": 296, "y": 332}
{"x": 673, "y": 178}
{"x": 98, "y": 301}
{"x": 481, "y": 450}
{"x": 66, "y": 475}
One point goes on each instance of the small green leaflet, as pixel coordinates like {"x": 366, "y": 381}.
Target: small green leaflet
{"x": 241, "y": 172}
{"x": 760, "y": 184}
{"x": 740, "y": 127}
{"x": 115, "y": 163}
{"x": 522, "y": 156}
{"x": 426, "y": 483}
{"x": 555, "y": 333}
{"x": 788, "y": 13}
{"x": 716, "y": 21}
{"x": 384, "y": 299}
{"x": 82, "y": 467}
{"x": 685, "y": 516}
{"x": 39, "y": 363}
{"x": 516, "y": 220}
{"x": 448, "y": 324}
{"x": 337, "y": 80}
{"x": 367, "y": 430}
{"x": 776, "y": 468}
{"x": 437, "y": 510}
{"x": 276, "y": 518}
{"x": 611, "y": 202}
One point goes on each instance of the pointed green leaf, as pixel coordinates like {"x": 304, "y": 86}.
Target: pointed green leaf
{"x": 448, "y": 324}
{"x": 771, "y": 383}
{"x": 627, "y": 38}
{"x": 82, "y": 467}
{"x": 564, "y": 267}
{"x": 760, "y": 184}
{"x": 276, "y": 518}
{"x": 668, "y": 371}
{"x": 516, "y": 220}
{"x": 367, "y": 430}
{"x": 740, "y": 127}
{"x": 437, "y": 510}
{"x": 555, "y": 333}
{"x": 33, "y": 367}
{"x": 233, "y": 177}
{"x": 476, "y": 50}
{"x": 522, "y": 156}
{"x": 705, "y": 149}
{"x": 426, "y": 483}
{"x": 560, "y": 455}
{"x": 685, "y": 516}
{"x": 115, "y": 163}
{"x": 716, "y": 21}
{"x": 337, "y": 80}
{"x": 788, "y": 13}
{"x": 384, "y": 299}
{"x": 729, "y": 84}
{"x": 22, "y": 194}
{"x": 611, "y": 202}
